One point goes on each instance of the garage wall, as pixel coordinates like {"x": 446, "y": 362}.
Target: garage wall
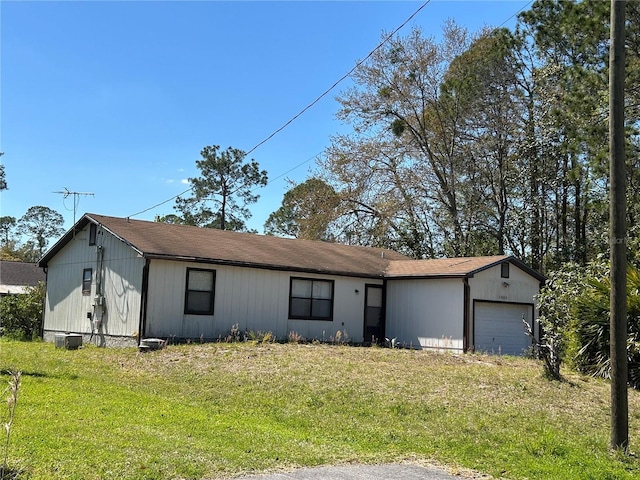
{"x": 426, "y": 313}
{"x": 489, "y": 286}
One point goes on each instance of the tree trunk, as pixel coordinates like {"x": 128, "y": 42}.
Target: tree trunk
{"x": 223, "y": 210}
{"x": 534, "y": 193}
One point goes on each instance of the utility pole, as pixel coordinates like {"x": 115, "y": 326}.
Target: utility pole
{"x": 618, "y": 232}
{"x": 66, "y": 193}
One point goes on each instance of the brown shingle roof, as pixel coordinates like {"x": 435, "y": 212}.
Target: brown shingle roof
{"x": 162, "y": 240}
{"x": 20, "y": 273}
{"x": 441, "y": 266}
{"x": 451, "y": 267}
{"x": 180, "y": 242}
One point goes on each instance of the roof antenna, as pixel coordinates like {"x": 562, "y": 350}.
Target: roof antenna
{"x": 76, "y": 200}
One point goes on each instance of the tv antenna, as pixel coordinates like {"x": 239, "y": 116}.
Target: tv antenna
{"x": 76, "y": 199}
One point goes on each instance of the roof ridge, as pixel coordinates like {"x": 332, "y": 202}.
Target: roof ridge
{"x": 198, "y": 244}
{"x": 233, "y": 232}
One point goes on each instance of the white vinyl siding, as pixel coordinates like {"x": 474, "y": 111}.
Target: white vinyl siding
{"x": 254, "y": 299}
{"x": 66, "y": 307}
{"x": 426, "y": 313}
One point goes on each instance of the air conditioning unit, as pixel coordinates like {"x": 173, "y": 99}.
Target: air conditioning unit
{"x": 68, "y": 341}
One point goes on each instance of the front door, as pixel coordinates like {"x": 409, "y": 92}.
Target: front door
{"x": 373, "y": 314}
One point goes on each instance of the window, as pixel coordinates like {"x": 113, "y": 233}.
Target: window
{"x": 93, "y": 228}
{"x": 311, "y": 299}
{"x": 198, "y": 298}
{"x": 504, "y": 270}
{"x": 86, "y": 281}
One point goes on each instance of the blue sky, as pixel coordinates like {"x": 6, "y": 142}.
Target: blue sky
{"x": 118, "y": 98}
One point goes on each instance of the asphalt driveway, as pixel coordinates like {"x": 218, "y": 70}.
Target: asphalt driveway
{"x": 402, "y": 471}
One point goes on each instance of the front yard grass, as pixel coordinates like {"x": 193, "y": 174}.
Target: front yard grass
{"x": 221, "y": 410}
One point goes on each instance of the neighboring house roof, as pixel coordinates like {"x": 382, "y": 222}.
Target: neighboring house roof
{"x": 181, "y": 242}
{"x": 452, "y": 267}
{"x": 15, "y": 276}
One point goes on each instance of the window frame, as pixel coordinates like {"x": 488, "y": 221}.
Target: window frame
{"x": 212, "y": 292}
{"x": 310, "y": 316}
{"x": 504, "y": 270}
{"x": 86, "y": 282}
{"x": 93, "y": 233}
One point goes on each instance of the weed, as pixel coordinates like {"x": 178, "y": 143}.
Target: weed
{"x": 341, "y": 338}
{"x": 261, "y": 337}
{"x": 235, "y": 335}
{"x": 12, "y": 401}
{"x": 295, "y": 337}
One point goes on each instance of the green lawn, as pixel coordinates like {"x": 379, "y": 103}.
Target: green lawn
{"x": 221, "y": 410}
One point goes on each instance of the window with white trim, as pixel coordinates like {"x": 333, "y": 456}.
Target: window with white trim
{"x": 87, "y": 274}
{"x": 504, "y": 270}
{"x": 93, "y": 231}
{"x": 311, "y": 299}
{"x": 200, "y": 291}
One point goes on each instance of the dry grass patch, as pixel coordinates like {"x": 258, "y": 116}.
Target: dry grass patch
{"x": 216, "y": 410}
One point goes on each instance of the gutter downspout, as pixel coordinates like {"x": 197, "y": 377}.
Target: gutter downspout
{"x": 144, "y": 295}
{"x": 44, "y": 301}
{"x": 536, "y": 309}
{"x": 465, "y": 315}
{"x": 384, "y": 308}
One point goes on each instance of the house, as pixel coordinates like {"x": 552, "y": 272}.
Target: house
{"x": 119, "y": 280}
{"x": 17, "y": 277}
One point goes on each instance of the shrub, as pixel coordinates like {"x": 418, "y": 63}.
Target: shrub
{"x": 555, "y": 301}
{"x": 574, "y": 316}
{"x": 21, "y": 315}
{"x": 591, "y": 325}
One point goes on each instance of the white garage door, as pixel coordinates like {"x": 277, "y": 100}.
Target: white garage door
{"x": 499, "y": 328}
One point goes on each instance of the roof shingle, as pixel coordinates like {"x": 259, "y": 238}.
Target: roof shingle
{"x": 162, "y": 240}
{"x": 181, "y": 242}
{"x": 459, "y": 266}
{"x": 20, "y": 273}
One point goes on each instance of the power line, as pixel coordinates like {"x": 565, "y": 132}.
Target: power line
{"x": 320, "y": 97}
{"x": 292, "y": 169}
{"x": 345, "y": 76}
{"x": 525, "y": 6}
{"x": 161, "y": 203}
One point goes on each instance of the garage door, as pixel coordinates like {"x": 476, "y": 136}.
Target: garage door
{"x": 499, "y": 328}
